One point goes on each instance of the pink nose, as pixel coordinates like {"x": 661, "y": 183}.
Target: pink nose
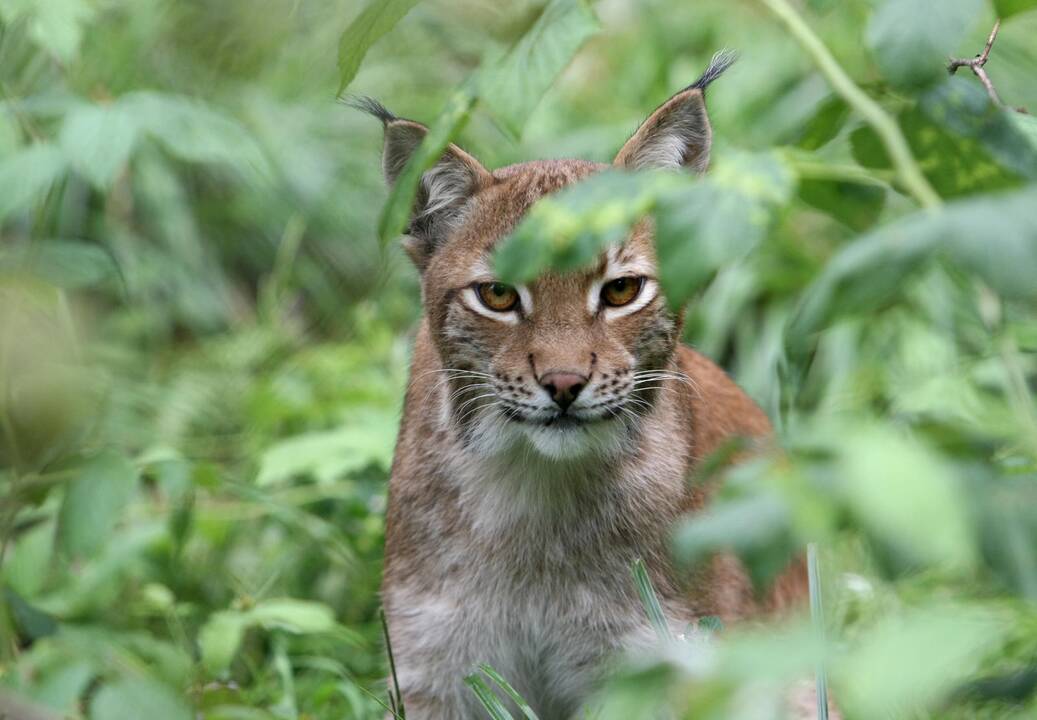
{"x": 563, "y": 387}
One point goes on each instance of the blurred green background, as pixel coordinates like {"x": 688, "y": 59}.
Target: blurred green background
{"x": 203, "y": 343}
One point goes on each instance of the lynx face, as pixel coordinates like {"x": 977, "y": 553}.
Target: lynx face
{"x": 568, "y": 364}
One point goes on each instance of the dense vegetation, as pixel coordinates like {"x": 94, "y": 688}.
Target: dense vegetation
{"x": 204, "y": 322}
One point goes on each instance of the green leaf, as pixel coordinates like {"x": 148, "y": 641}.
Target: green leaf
{"x": 718, "y": 221}
{"x": 367, "y": 439}
{"x": 25, "y": 175}
{"x": 906, "y": 499}
{"x": 133, "y": 698}
{"x": 908, "y": 662}
{"x": 296, "y": 616}
{"x": 54, "y": 25}
{"x": 513, "y": 86}
{"x": 97, "y": 141}
{"x": 756, "y": 526}
{"x": 1007, "y": 8}
{"x": 825, "y": 124}
{"x": 374, "y": 21}
{"x": 220, "y": 638}
{"x": 93, "y": 503}
{"x": 398, "y": 207}
{"x": 66, "y": 264}
{"x": 912, "y": 39}
{"x": 994, "y": 237}
{"x": 222, "y": 633}
{"x": 856, "y": 205}
{"x": 195, "y": 132}
{"x": 568, "y": 229}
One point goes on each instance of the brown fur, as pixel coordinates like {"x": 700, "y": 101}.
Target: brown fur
{"x": 510, "y": 537}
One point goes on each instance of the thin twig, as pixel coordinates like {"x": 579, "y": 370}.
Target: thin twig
{"x": 976, "y": 65}
{"x": 908, "y": 171}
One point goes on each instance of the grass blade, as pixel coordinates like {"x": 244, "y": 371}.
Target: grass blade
{"x": 395, "y": 698}
{"x": 488, "y": 697}
{"x": 650, "y": 600}
{"x": 511, "y": 692}
{"x": 818, "y": 620}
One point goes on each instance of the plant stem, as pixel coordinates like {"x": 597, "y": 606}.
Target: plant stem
{"x": 908, "y": 172}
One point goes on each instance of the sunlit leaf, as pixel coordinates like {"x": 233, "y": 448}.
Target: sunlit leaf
{"x": 513, "y": 86}
{"x": 93, "y": 503}
{"x": 374, "y": 21}
{"x": 912, "y": 39}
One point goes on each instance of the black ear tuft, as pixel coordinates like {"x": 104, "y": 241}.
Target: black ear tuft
{"x": 721, "y": 61}
{"x": 369, "y": 105}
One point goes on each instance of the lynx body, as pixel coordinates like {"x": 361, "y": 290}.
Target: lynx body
{"x": 548, "y": 438}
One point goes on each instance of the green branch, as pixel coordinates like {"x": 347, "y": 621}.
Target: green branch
{"x": 908, "y": 172}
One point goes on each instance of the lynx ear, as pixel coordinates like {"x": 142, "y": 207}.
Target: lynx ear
{"x": 444, "y": 189}
{"x": 678, "y": 134}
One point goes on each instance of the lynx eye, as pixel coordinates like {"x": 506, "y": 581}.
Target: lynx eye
{"x": 497, "y": 296}
{"x": 622, "y": 291}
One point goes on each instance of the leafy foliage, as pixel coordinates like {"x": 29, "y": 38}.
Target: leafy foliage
{"x": 204, "y": 323}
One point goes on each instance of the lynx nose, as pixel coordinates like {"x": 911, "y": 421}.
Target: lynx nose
{"x": 563, "y": 387}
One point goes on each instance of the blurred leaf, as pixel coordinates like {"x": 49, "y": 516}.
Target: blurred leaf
{"x": 220, "y": 638}
{"x": 195, "y": 132}
{"x": 67, "y": 264}
{"x": 756, "y": 527}
{"x": 297, "y": 616}
{"x": 398, "y": 207}
{"x": 704, "y": 227}
{"x": 374, "y": 21}
{"x": 97, "y": 140}
{"x": 853, "y": 204}
{"x": 993, "y": 236}
{"x": 26, "y": 174}
{"x": 907, "y": 500}
{"x": 55, "y": 25}
{"x": 825, "y": 124}
{"x": 33, "y": 622}
{"x": 909, "y": 661}
{"x": 513, "y": 86}
{"x": 912, "y": 39}
{"x": 128, "y": 698}
{"x": 568, "y": 229}
{"x": 93, "y": 503}
{"x": 1007, "y": 8}
{"x": 331, "y": 454}
{"x": 222, "y": 633}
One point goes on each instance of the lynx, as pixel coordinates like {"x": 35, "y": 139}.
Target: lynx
{"x": 548, "y": 436}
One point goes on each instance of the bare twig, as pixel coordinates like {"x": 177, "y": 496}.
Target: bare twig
{"x": 976, "y": 65}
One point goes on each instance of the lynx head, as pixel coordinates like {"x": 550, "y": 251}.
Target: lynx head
{"x": 568, "y": 364}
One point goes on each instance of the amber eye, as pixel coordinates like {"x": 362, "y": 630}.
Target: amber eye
{"x": 622, "y": 291}
{"x": 497, "y": 296}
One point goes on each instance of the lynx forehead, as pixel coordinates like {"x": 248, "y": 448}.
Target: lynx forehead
{"x": 548, "y": 434}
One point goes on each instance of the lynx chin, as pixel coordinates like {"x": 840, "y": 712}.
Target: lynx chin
{"x": 548, "y": 437}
